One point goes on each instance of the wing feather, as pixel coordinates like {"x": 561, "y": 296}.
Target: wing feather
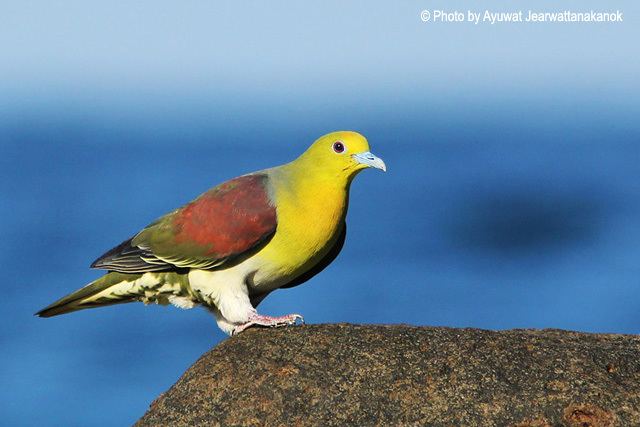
{"x": 224, "y": 225}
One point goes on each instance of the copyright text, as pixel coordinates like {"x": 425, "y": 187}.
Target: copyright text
{"x": 518, "y": 16}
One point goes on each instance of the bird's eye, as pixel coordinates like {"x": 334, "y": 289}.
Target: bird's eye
{"x": 338, "y": 147}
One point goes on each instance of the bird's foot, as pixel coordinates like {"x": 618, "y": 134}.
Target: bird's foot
{"x": 269, "y": 321}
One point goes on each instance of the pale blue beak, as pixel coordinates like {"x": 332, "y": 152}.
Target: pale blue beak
{"x": 370, "y": 160}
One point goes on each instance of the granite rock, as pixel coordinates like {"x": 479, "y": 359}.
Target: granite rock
{"x": 342, "y": 374}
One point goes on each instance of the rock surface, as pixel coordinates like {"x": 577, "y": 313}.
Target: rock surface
{"x": 401, "y": 375}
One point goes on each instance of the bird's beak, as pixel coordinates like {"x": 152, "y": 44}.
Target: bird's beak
{"x": 370, "y": 160}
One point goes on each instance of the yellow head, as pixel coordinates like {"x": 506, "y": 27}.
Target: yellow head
{"x": 340, "y": 155}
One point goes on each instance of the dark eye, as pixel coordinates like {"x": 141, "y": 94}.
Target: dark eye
{"x": 338, "y": 147}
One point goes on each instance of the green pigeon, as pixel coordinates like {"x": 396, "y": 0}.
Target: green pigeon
{"x": 239, "y": 241}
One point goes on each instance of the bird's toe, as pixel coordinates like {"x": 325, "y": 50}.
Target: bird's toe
{"x": 269, "y": 321}
{"x": 295, "y": 318}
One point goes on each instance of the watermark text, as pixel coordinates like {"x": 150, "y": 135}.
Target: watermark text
{"x": 486, "y": 16}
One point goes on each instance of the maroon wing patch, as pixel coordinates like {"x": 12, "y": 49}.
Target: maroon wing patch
{"x": 228, "y": 219}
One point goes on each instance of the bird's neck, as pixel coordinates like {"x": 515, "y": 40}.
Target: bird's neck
{"x": 319, "y": 190}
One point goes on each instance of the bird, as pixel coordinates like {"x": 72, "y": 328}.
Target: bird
{"x": 239, "y": 241}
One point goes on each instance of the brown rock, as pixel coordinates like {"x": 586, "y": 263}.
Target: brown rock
{"x": 401, "y": 375}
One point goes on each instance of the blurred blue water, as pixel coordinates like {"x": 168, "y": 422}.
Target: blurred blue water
{"x": 492, "y": 223}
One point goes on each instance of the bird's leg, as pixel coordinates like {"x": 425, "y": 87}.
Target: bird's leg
{"x": 270, "y": 321}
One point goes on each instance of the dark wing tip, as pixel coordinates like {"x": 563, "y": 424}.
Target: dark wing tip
{"x": 105, "y": 259}
{"x": 45, "y": 312}
{"x": 126, "y": 258}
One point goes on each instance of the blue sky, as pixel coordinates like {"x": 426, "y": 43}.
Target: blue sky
{"x": 290, "y": 50}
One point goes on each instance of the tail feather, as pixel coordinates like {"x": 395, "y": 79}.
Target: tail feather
{"x": 101, "y": 292}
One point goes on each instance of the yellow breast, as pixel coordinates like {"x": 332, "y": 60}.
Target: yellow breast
{"x": 311, "y": 212}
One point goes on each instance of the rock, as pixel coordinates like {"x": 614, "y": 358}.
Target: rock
{"x": 402, "y": 375}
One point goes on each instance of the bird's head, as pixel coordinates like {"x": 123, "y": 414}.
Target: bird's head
{"x": 341, "y": 154}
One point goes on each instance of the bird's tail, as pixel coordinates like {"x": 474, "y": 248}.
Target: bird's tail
{"x": 112, "y": 288}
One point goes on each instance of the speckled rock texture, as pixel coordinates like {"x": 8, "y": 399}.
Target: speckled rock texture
{"x": 337, "y": 375}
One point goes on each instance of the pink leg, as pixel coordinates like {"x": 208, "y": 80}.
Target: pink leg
{"x": 261, "y": 320}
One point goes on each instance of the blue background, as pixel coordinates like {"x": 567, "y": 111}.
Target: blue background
{"x": 512, "y": 198}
